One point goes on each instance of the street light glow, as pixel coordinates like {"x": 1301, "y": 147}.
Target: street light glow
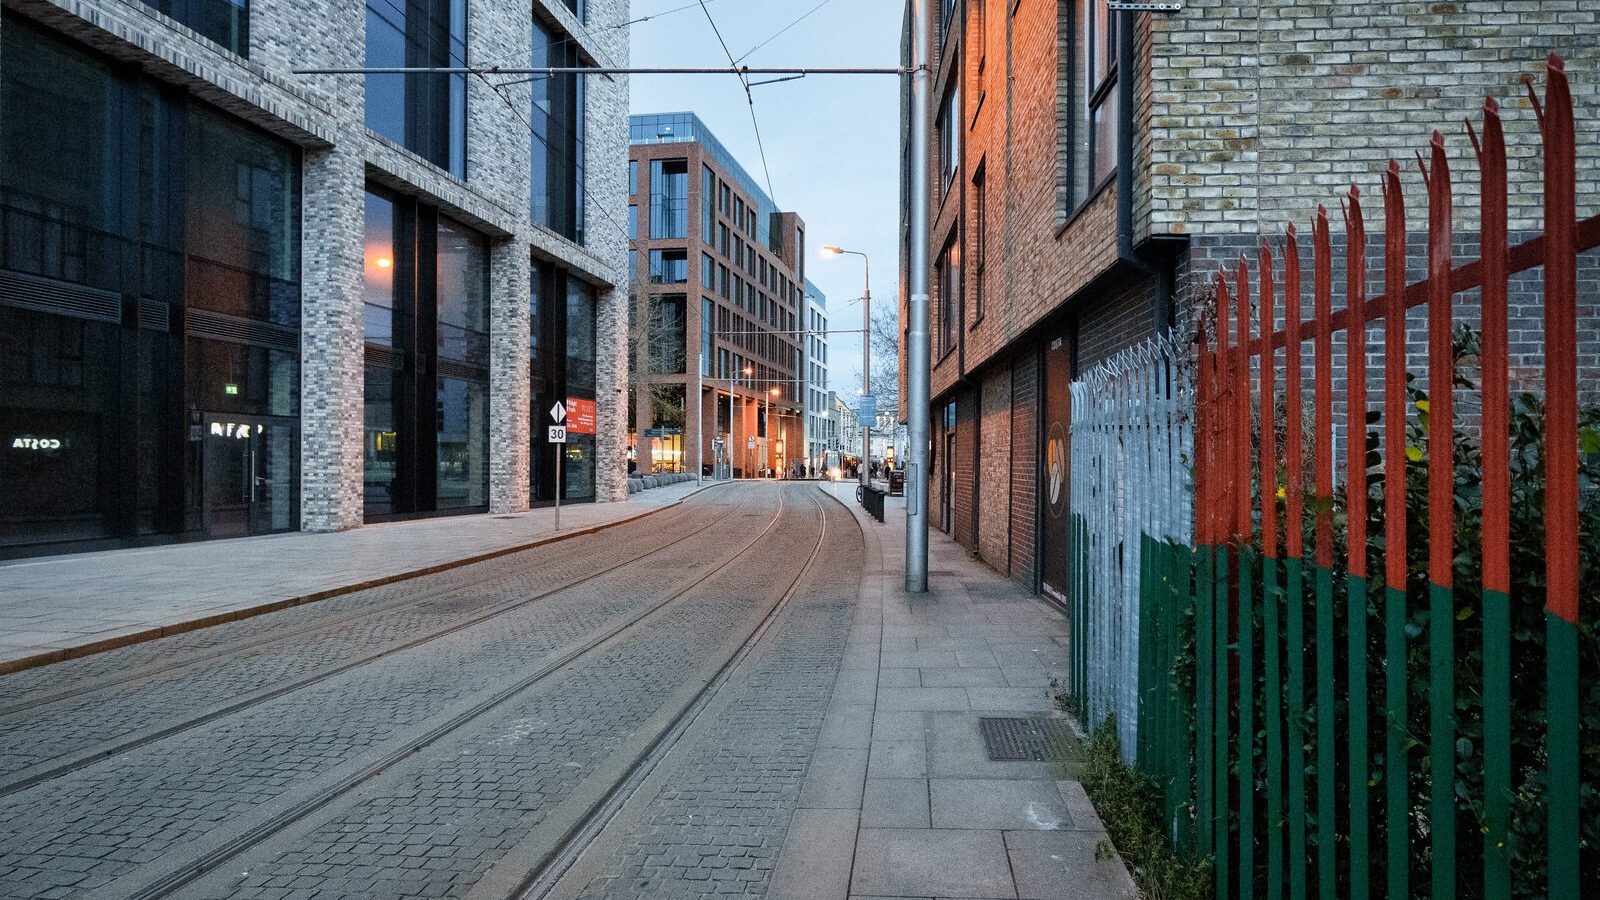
{"x": 831, "y": 251}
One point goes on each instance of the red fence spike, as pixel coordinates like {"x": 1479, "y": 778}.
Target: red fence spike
{"x": 1441, "y": 374}
{"x": 1394, "y": 379}
{"x": 1356, "y": 381}
{"x": 1294, "y": 421}
{"x": 1241, "y": 423}
{"x": 1494, "y": 353}
{"x": 1269, "y": 411}
{"x": 1322, "y": 428}
{"x": 1561, "y": 349}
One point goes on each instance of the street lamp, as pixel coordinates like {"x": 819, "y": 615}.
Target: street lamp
{"x": 734, "y": 383}
{"x": 766, "y": 449}
{"x": 866, "y": 351}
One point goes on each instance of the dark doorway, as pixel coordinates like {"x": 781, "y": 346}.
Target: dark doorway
{"x": 250, "y": 475}
{"x": 1054, "y": 524}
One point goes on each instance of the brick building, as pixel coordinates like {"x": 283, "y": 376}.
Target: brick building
{"x": 1092, "y": 168}
{"x": 235, "y": 299}
{"x": 719, "y": 284}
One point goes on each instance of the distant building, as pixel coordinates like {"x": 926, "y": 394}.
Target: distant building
{"x": 819, "y": 421}
{"x": 848, "y": 425}
{"x": 718, "y": 282}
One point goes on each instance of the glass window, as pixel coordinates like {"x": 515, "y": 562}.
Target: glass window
{"x": 707, "y": 312}
{"x": 424, "y": 113}
{"x": 633, "y": 177}
{"x": 949, "y": 296}
{"x": 378, "y": 271}
{"x": 669, "y": 198}
{"x": 669, "y": 266}
{"x": 708, "y": 216}
{"x": 557, "y": 120}
{"x": 462, "y": 294}
{"x": 667, "y": 334}
{"x": 462, "y": 446}
{"x": 950, "y": 135}
{"x": 225, "y": 21}
{"x": 580, "y": 338}
{"x": 242, "y": 195}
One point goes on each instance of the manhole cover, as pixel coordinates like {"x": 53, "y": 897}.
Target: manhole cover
{"x": 508, "y": 517}
{"x": 1027, "y": 739}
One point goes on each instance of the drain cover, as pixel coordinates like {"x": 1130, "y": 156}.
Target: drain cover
{"x": 1027, "y": 739}
{"x": 508, "y": 517}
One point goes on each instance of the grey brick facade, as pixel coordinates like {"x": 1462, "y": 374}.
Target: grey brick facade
{"x": 324, "y": 116}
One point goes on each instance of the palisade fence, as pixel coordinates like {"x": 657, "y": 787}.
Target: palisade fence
{"x": 1132, "y": 439}
{"x": 1383, "y": 681}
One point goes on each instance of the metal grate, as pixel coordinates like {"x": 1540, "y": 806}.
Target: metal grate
{"x": 1035, "y": 740}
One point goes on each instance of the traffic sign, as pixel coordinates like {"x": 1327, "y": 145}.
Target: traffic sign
{"x": 752, "y": 444}
{"x": 867, "y": 410}
{"x": 558, "y": 434}
{"x": 558, "y": 412}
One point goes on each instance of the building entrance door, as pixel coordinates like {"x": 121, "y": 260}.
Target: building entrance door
{"x": 1054, "y": 523}
{"x": 250, "y": 475}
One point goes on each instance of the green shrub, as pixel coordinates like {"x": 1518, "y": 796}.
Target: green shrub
{"x": 1130, "y": 806}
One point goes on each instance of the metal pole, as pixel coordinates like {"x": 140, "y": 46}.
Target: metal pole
{"x": 917, "y": 348}
{"x": 866, "y": 367}
{"x": 560, "y": 452}
{"x": 699, "y": 419}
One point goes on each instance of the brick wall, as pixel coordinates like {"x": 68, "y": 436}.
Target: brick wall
{"x": 1024, "y": 464}
{"x": 1263, "y": 109}
{"x": 994, "y": 469}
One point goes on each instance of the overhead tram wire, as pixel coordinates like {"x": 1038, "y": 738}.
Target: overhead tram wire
{"x": 744, "y": 79}
{"x": 780, "y": 31}
{"x": 588, "y": 33}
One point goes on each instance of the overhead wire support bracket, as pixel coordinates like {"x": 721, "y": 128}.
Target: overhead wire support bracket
{"x": 1120, "y": 6}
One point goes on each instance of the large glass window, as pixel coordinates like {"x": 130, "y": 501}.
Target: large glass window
{"x": 423, "y": 112}
{"x": 669, "y": 198}
{"x": 950, "y": 135}
{"x": 557, "y": 119}
{"x": 225, "y": 21}
{"x": 707, "y": 311}
{"x": 1091, "y": 78}
{"x": 667, "y": 334}
{"x": 949, "y": 296}
{"x": 427, "y": 383}
{"x": 708, "y": 199}
{"x": 669, "y": 266}
{"x": 578, "y": 469}
{"x": 115, "y": 422}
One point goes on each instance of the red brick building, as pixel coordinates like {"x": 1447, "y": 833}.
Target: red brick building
{"x": 1091, "y": 167}
{"x": 717, "y": 302}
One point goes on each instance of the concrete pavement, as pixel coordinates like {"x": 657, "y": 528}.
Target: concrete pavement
{"x": 901, "y": 799}
{"x": 61, "y": 607}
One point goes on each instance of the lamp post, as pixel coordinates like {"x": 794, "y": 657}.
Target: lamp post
{"x": 766, "y": 448}
{"x": 866, "y": 351}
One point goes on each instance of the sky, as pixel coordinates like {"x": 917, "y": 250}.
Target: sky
{"x": 832, "y": 142}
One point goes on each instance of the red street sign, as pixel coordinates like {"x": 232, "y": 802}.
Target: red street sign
{"x": 580, "y": 416}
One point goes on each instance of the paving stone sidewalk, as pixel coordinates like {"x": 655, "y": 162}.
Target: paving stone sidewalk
{"x": 62, "y": 606}
{"x": 900, "y": 798}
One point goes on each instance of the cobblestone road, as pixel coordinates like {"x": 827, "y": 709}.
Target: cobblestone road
{"x": 532, "y": 690}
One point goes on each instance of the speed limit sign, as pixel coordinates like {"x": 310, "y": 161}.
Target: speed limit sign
{"x": 558, "y": 434}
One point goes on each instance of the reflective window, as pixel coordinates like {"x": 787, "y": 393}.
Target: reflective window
{"x": 669, "y": 266}
{"x": 667, "y": 333}
{"x": 669, "y": 198}
{"x": 243, "y": 198}
{"x": 423, "y": 112}
{"x": 225, "y": 21}
{"x": 557, "y": 119}
{"x": 707, "y": 311}
{"x": 378, "y": 271}
{"x": 462, "y": 448}
{"x": 463, "y": 294}
{"x": 708, "y": 214}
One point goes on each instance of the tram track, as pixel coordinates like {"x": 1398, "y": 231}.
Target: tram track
{"x": 290, "y": 813}
{"x": 64, "y": 764}
{"x": 547, "y": 872}
{"x": 248, "y": 643}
